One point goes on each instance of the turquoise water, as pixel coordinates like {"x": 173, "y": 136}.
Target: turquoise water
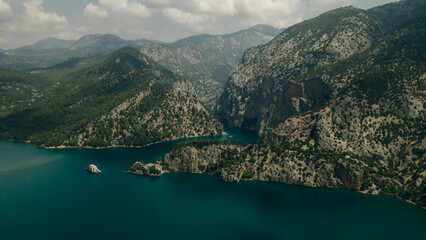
{"x": 47, "y": 194}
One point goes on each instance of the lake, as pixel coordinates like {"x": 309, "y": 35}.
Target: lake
{"x": 47, "y": 194}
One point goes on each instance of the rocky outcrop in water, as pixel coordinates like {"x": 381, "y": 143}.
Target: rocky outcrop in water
{"x": 149, "y": 169}
{"x": 92, "y": 168}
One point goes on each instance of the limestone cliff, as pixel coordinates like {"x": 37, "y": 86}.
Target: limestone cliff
{"x": 339, "y": 101}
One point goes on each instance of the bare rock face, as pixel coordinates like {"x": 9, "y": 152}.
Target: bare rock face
{"x": 92, "y": 168}
{"x": 234, "y": 163}
{"x": 266, "y": 88}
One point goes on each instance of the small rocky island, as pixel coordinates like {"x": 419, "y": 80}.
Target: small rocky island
{"x": 92, "y": 168}
{"x": 149, "y": 169}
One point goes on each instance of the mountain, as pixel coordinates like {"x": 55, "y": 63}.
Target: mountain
{"x": 52, "y": 51}
{"x": 98, "y": 44}
{"x": 47, "y": 43}
{"x": 207, "y": 59}
{"x": 260, "y": 92}
{"x": 339, "y": 101}
{"x": 122, "y": 99}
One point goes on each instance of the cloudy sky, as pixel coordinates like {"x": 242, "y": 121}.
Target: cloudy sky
{"x": 24, "y": 22}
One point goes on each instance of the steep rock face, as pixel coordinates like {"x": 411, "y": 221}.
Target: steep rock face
{"x": 233, "y": 163}
{"x": 207, "y": 59}
{"x": 269, "y": 86}
{"x": 376, "y": 104}
{"x": 263, "y": 91}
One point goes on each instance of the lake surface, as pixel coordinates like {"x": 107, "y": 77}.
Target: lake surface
{"x": 47, "y": 194}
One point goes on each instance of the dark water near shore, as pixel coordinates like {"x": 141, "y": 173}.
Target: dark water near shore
{"x": 46, "y": 194}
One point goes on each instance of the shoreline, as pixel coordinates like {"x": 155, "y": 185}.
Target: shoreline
{"x": 258, "y": 180}
{"x": 189, "y": 138}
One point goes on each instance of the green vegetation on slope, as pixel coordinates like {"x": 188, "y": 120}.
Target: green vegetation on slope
{"x": 73, "y": 103}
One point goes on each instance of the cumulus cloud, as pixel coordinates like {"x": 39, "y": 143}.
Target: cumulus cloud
{"x": 192, "y": 20}
{"x": 225, "y": 7}
{"x": 119, "y": 7}
{"x": 95, "y": 10}
{"x": 28, "y": 22}
{"x": 120, "y": 17}
{"x": 5, "y": 8}
{"x": 36, "y": 14}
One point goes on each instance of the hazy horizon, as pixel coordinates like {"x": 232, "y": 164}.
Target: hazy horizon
{"x": 25, "y": 22}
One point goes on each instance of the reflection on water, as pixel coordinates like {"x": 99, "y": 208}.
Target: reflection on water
{"x": 12, "y": 158}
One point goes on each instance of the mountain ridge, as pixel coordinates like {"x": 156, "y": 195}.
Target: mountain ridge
{"x": 122, "y": 99}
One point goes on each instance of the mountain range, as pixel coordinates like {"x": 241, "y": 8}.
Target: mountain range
{"x": 204, "y": 59}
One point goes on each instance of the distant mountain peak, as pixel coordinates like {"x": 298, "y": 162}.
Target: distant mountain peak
{"x": 48, "y": 43}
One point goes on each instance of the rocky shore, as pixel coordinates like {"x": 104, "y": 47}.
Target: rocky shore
{"x": 287, "y": 163}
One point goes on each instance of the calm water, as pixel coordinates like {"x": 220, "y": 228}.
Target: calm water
{"x": 47, "y": 194}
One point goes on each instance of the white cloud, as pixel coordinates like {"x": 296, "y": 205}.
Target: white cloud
{"x": 36, "y": 14}
{"x": 95, "y": 10}
{"x": 114, "y": 4}
{"x": 192, "y": 20}
{"x": 123, "y": 7}
{"x": 5, "y": 11}
{"x": 138, "y": 10}
{"x": 5, "y": 8}
{"x": 29, "y": 22}
{"x": 224, "y": 7}
{"x": 121, "y": 17}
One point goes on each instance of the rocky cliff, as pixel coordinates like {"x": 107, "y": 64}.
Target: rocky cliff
{"x": 235, "y": 162}
{"x": 267, "y": 87}
{"x": 341, "y": 105}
